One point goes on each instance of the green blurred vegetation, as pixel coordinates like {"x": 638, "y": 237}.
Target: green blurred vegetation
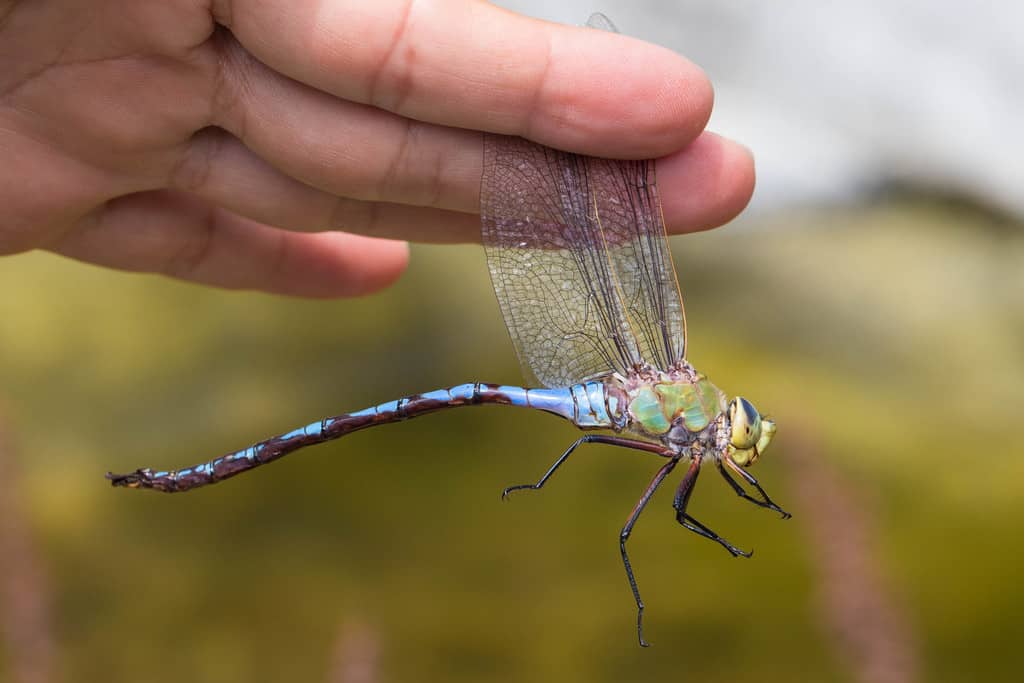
{"x": 894, "y": 334}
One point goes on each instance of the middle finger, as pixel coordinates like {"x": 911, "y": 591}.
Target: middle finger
{"x": 375, "y": 159}
{"x": 343, "y": 147}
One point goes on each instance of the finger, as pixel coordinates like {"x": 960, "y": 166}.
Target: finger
{"x": 472, "y": 65}
{"x": 345, "y": 148}
{"x": 360, "y": 152}
{"x": 181, "y": 236}
{"x": 219, "y": 168}
{"x": 704, "y": 185}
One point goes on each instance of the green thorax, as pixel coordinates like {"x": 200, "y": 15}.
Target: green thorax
{"x": 656, "y": 405}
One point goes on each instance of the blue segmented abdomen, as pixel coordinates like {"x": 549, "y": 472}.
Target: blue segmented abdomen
{"x": 584, "y": 404}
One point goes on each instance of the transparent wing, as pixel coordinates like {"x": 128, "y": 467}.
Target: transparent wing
{"x": 549, "y": 266}
{"x": 629, "y": 211}
{"x": 601, "y": 22}
{"x": 644, "y": 261}
{"x": 579, "y": 261}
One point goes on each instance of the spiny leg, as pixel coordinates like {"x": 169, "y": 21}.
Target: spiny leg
{"x": 701, "y": 530}
{"x": 682, "y": 500}
{"x": 724, "y": 462}
{"x": 591, "y": 438}
{"x": 624, "y": 536}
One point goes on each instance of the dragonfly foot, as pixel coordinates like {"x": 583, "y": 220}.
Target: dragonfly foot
{"x": 518, "y": 487}
{"x": 775, "y": 508}
{"x": 766, "y": 503}
{"x": 640, "y": 623}
{"x": 701, "y": 530}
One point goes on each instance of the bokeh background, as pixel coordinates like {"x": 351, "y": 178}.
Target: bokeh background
{"x": 872, "y": 299}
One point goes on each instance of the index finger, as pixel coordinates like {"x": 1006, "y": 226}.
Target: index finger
{"x": 469, "y": 64}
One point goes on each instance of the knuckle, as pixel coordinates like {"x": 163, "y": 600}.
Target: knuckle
{"x": 195, "y": 166}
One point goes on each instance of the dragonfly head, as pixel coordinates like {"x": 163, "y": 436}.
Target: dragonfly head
{"x": 749, "y": 433}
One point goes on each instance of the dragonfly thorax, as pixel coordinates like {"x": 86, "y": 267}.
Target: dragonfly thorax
{"x": 671, "y": 405}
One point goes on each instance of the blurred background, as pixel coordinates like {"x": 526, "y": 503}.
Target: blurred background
{"x": 872, "y": 300}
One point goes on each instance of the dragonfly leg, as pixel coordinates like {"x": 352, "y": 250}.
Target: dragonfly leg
{"x": 701, "y": 530}
{"x": 724, "y": 462}
{"x": 682, "y": 500}
{"x": 591, "y": 438}
{"x": 624, "y": 536}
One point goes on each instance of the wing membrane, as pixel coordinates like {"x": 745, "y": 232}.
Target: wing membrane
{"x": 578, "y": 257}
{"x": 629, "y": 212}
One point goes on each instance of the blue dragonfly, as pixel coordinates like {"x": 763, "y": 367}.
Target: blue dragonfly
{"x": 580, "y": 264}
{"x": 579, "y": 260}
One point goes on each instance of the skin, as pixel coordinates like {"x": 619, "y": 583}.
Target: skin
{"x": 293, "y": 146}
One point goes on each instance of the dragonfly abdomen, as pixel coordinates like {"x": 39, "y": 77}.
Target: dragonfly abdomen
{"x": 583, "y": 404}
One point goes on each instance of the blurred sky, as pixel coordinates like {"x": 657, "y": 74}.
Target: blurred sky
{"x": 841, "y": 99}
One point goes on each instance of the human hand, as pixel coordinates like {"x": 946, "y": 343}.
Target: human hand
{"x": 287, "y": 146}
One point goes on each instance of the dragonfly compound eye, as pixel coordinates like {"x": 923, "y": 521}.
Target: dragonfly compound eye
{"x": 745, "y": 424}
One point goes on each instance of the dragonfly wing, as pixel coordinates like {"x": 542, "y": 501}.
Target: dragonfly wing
{"x": 601, "y": 22}
{"x": 629, "y": 212}
{"x": 550, "y": 266}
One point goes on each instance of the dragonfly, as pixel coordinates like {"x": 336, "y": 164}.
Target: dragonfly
{"x": 580, "y": 263}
